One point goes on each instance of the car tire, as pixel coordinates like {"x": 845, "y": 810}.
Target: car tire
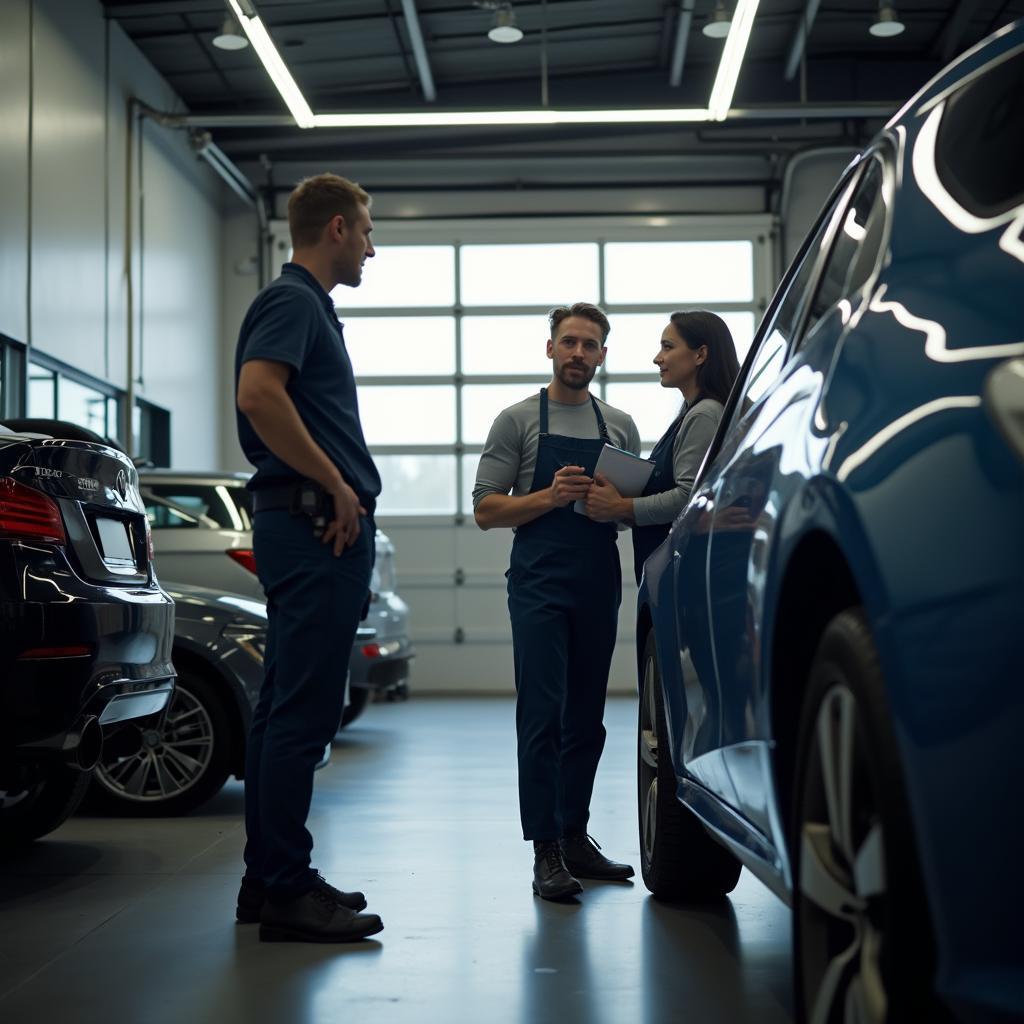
{"x": 171, "y": 766}
{"x": 42, "y": 807}
{"x": 359, "y": 697}
{"x": 679, "y": 860}
{"x": 861, "y": 937}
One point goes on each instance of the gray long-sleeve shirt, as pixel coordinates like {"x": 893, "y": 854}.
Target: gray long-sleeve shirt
{"x": 510, "y": 453}
{"x": 691, "y": 445}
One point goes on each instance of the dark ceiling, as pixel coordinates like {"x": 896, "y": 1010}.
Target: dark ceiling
{"x": 357, "y": 55}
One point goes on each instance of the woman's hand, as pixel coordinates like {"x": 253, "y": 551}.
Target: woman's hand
{"x": 605, "y": 504}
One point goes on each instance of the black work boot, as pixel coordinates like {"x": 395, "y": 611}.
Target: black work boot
{"x": 251, "y": 895}
{"x": 583, "y": 859}
{"x": 315, "y": 916}
{"x": 551, "y": 880}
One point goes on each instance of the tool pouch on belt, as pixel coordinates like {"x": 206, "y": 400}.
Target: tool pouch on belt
{"x": 310, "y": 500}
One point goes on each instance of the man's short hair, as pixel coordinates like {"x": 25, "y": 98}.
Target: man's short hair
{"x": 587, "y": 310}
{"x": 316, "y": 200}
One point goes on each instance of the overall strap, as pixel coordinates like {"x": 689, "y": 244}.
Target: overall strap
{"x": 543, "y": 412}
{"x": 602, "y": 427}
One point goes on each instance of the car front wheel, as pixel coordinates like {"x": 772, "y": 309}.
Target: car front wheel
{"x": 173, "y": 765}
{"x": 861, "y": 947}
{"x": 678, "y": 858}
{"x": 36, "y": 808}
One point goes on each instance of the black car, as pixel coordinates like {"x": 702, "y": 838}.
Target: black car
{"x": 85, "y": 630}
{"x": 173, "y": 766}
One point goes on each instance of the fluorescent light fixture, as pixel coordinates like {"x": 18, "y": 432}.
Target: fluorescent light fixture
{"x": 732, "y": 59}
{"x": 505, "y": 29}
{"x": 718, "y": 25}
{"x": 264, "y": 46}
{"x": 459, "y": 118}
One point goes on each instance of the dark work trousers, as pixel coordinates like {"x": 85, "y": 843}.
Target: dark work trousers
{"x": 314, "y": 604}
{"x": 564, "y": 589}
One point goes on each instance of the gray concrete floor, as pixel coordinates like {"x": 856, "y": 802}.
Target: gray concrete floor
{"x": 133, "y": 921}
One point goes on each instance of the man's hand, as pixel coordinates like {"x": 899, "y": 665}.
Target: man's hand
{"x": 569, "y": 484}
{"x": 605, "y": 504}
{"x": 344, "y": 528}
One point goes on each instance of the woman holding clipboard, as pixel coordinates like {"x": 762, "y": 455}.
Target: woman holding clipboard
{"x": 697, "y": 356}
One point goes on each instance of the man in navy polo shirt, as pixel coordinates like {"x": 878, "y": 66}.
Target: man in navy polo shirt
{"x": 314, "y": 492}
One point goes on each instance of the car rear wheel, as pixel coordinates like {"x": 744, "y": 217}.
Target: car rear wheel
{"x": 861, "y": 948}
{"x": 678, "y": 858}
{"x": 171, "y": 766}
{"x": 41, "y": 806}
{"x": 358, "y": 697}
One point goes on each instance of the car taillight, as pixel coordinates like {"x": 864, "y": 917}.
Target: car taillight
{"x": 28, "y": 514}
{"x": 371, "y": 650}
{"x": 245, "y": 557}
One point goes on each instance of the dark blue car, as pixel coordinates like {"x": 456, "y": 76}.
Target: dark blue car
{"x": 831, "y": 639}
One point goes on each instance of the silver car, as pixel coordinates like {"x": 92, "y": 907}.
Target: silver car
{"x": 202, "y": 535}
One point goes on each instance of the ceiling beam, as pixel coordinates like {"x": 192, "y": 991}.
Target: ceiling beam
{"x": 948, "y": 43}
{"x": 799, "y": 45}
{"x": 419, "y": 49}
{"x": 682, "y": 40}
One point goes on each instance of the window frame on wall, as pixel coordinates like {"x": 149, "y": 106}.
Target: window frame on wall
{"x": 758, "y": 229}
{"x": 60, "y": 371}
{"x": 152, "y": 433}
{"x": 12, "y": 378}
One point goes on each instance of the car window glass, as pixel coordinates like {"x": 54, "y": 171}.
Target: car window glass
{"x": 215, "y": 505}
{"x": 164, "y": 516}
{"x": 855, "y": 249}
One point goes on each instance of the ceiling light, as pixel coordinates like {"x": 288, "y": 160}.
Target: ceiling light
{"x": 230, "y": 36}
{"x": 265, "y": 49}
{"x": 718, "y": 26}
{"x": 504, "y": 29}
{"x": 887, "y": 23}
{"x": 462, "y": 118}
{"x": 732, "y": 59}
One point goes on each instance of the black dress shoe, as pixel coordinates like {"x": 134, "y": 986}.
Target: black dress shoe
{"x": 582, "y": 858}
{"x": 251, "y": 895}
{"x": 551, "y": 880}
{"x": 314, "y": 916}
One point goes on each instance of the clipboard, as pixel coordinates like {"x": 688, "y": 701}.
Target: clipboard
{"x": 628, "y": 472}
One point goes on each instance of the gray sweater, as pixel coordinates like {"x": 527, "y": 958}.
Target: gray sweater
{"x": 691, "y": 445}
{"x": 510, "y": 453}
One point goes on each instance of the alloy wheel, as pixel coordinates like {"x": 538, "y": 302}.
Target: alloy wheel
{"x": 647, "y": 763}
{"x": 153, "y": 765}
{"x": 842, "y": 882}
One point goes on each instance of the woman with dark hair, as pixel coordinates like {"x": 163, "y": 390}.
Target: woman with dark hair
{"x": 697, "y": 356}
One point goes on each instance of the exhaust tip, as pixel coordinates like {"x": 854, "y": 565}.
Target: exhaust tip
{"x": 84, "y": 744}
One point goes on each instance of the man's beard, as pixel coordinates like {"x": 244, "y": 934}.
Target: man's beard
{"x": 578, "y": 381}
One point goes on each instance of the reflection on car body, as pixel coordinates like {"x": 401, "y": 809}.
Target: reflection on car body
{"x": 829, "y": 639}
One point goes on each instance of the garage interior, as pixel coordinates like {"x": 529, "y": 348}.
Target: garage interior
{"x": 146, "y": 173}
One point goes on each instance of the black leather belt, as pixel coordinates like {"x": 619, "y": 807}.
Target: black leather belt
{"x": 281, "y": 497}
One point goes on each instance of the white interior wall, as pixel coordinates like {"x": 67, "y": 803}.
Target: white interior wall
{"x": 66, "y": 75}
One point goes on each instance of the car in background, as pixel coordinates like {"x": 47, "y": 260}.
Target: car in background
{"x": 829, "y": 640}
{"x": 85, "y": 629}
{"x": 173, "y": 765}
{"x": 202, "y": 534}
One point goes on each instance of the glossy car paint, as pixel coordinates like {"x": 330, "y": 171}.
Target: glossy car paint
{"x": 53, "y": 595}
{"x": 873, "y": 461}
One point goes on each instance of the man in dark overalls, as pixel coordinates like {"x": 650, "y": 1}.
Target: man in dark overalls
{"x": 564, "y": 589}
{"x": 314, "y": 493}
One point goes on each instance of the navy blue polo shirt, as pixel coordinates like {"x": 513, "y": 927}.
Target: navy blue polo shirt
{"x": 292, "y": 321}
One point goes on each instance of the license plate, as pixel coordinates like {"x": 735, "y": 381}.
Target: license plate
{"x": 114, "y": 540}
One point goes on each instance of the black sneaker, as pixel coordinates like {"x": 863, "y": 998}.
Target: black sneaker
{"x": 251, "y": 895}
{"x": 551, "y": 879}
{"x": 315, "y": 916}
{"x": 582, "y": 858}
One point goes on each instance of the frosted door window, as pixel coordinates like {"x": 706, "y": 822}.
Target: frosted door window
{"x": 403, "y": 275}
{"x": 652, "y": 407}
{"x": 410, "y": 415}
{"x": 505, "y": 344}
{"x": 529, "y": 275}
{"x": 401, "y": 346}
{"x": 416, "y": 485}
{"x": 481, "y": 403}
{"x": 677, "y": 273}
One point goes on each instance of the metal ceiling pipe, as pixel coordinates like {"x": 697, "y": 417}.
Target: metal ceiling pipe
{"x": 419, "y": 49}
{"x": 682, "y": 40}
{"x": 799, "y": 44}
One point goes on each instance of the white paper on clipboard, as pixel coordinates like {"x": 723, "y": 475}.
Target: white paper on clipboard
{"x": 628, "y": 472}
